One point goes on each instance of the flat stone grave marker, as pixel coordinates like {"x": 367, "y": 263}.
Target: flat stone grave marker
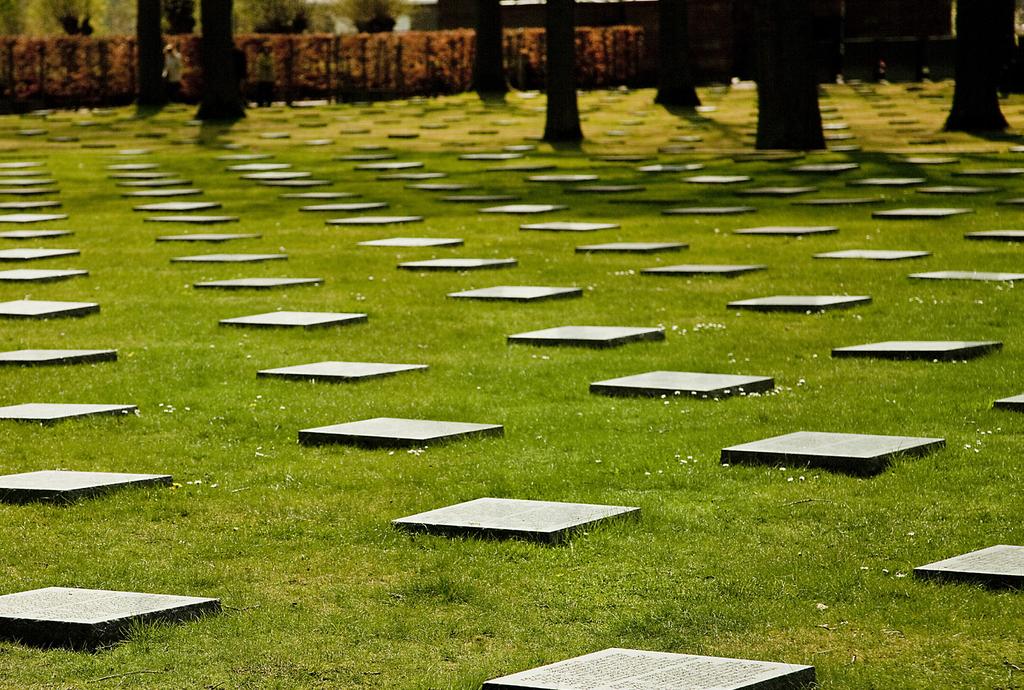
{"x": 197, "y": 220}
{"x": 457, "y": 264}
{"x": 788, "y": 231}
{"x": 726, "y": 270}
{"x": 414, "y": 242}
{"x": 178, "y": 206}
{"x": 1001, "y": 565}
{"x": 7, "y": 255}
{"x": 257, "y": 283}
{"x": 323, "y": 196}
{"x": 383, "y": 432}
{"x": 54, "y": 412}
{"x": 245, "y": 157}
{"x": 90, "y": 618}
{"x": 20, "y": 165}
{"x": 989, "y": 172}
{"x": 928, "y": 160}
{"x": 28, "y": 181}
{"x": 375, "y": 220}
{"x": 717, "y": 179}
{"x": 997, "y": 235}
{"x": 27, "y": 205}
{"x": 229, "y": 258}
{"x": 345, "y": 208}
{"x": 295, "y": 319}
{"x": 920, "y": 213}
{"x": 338, "y": 371}
{"x": 26, "y": 275}
{"x": 518, "y": 293}
{"x": 659, "y": 168}
{"x": 29, "y": 191}
{"x": 631, "y": 668}
{"x": 439, "y": 186}
{"x": 588, "y": 336}
{"x": 503, "y": 518}
{"x": 777, "y": 191}
{"x": 708, "y": 210}
{"x": 63, "y": 486}
{"x": 563, "y": 178}
{"x": 413, "y": 176}
{"x": 33, "y": 234}
{"x": 141, "y": 175}
{"x": 1015, "y": 403}
{"x": 968, "y": 275}
{"x": 208, "y": 237}
{"x": 43, "y": 309}
{"x": 162, "y": 193}
{"x": 700, "y": 385}
{"x": 507, "y": 156}
{"x": 800, "y": 303}
{"x": 956, "y": 190}
{"x": 942, "y": 350}
{"x": 259, "y": 167}
{"x": 606, "y": 189}
{"x": 631, "y": 247}
{"x": 21, "y": 218}
{"x": 521, "y": 167}
{"x": 155, "y": 184}
{"x": 1019, "y": 201}
{"x": 275, "y": 135}
{"x": 390, "y": 165}
{"x": 41, "y": 357}
{"x": 479, "y": 198}
{"x": 569, "y": 226}
{"x": 887, "y": 182}
{"x": 862, "y": 454}
{"x": 873, "y": 254}
{"x": 524, "y": 209}
{"x": 824, "y": 168}
{"x": 295, "y": 184}
{"x": 840, "y": 201}
{"x": 277, "y": 175}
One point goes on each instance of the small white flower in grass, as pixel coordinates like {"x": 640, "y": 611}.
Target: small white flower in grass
{"x": 821, "y": 607}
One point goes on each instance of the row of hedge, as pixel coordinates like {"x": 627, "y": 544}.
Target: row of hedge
{"x": 65, "y": 71}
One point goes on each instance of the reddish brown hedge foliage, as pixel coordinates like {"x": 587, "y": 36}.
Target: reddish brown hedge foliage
{"x": 69, "y": 71}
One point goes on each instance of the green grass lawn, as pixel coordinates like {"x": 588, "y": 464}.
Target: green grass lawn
{"x": 781, "y": 564}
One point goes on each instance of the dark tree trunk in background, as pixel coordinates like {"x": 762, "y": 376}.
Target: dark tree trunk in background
{"x": 675, "y": 76}
{"x": 787, "y": 77}
{"x": 222, "y": 98}
{"x": 488, "y": 65}
{"x": 151, "y": 59}
{"x": 984, "y": 41}
{"x": 562, "y": 121}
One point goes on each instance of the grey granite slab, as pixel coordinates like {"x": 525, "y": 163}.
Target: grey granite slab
{"x": 631, "y": 247}
{"x": 90, "y": 618}
{"x": 569, "y": 226}
{"x": 155, "y": 184}
{"x": 777, "y": 191}
{"x": 345, "y": 208}
{"x": 955, "y": 190}
{"x": 524, "y": 209}
{"x": 162, "y": 193}
{"x": 708, "y": 210}
{"x": 920, "y": 213}
{"x": 506, "y": 156}
{"x": 726, "y": 270}
{"x": 606, "y": 189}
{"x": 1015, "y": 403}
{"x": 20, "y": 165}
{"x": 414, "y": 242}
{"x": 277, "y": 175}
{"x": 457, "y": 264}
{"x": 717, "y": 179}
{"x": 700, "y": 385}
{"x": 413, "y": 176}
{"x": 43, "y": 309}
{"x": 324, "y": 196}
{"x": 518, "y": 293}
{"x": 928, "y": 160}
{"x": 478, "y": 198}
{"x": 800, "y": 303}
{"x": 840, "y": 201}
{"x": 639, "y": 670}
{"x": 366, "y": 157}
{"x": 521, "y": 167}
{"x": 375, "y": 220}
{"x": 862, "y": 454}
{"x": 873, "y": 254}
{"x": 1001, "y": 565}
{"x": 130, "y": 167}
{"x": 33, "y": 234}
{"x": 588, "y": 336}
{"x": 41, "y": 357}
{"x": 968, "y": 275}
{"x": 944, "y": 350}
{"x": 141, "y": 175}
{"x": 31, "y": 217}
{"x": 259, "y": 167}
{"x": 54, "y": 412}
{"x": 989, "y": 172}
{"x": 824, "y": 168}
{"x": 28, "y": 275}
{"x": 63, "y": 486}
{"x": 294, "y": 183}
{"x": 196, "y": 220}
{"x": 504, "y": 518}
{"x": 258, "y": 283}
{"x": 660, "y": 168}
{"x": 789, "y": 230}
{"x": 382, "y": 432}
{"x": 997, "y": 235}
{"x": 439, "y": 186}
{"x": 28, "y": 191}
{"x": 563, "y": 178}
{"x": 244, "y": 157}
{"x": 887, "y": 181}
{"x": 295, "y": 319}
{"x": 229, "y": 258}
{"x": 338, "y": 371}
{"x": 34, "y": 254}
{"x": 27, "y": 205}
{"x": 208, "y": 237}
{"x": 178, "y": 206}
{"x": 390, "y": 165}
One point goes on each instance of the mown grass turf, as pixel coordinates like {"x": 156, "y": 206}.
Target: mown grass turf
{"x": 789, "y": 564}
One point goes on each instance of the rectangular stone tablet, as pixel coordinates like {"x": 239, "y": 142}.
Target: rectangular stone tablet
{"x": 208, "y": 237}
{"x": 28, "y": 275}
{"x": 873, "y": 254}
{"x": 518, "y": 293}
{"x": 524, "y": 209}
{"x": 27, "y": 205}
{"x": 777, "y": 191}
{"x": 414, "y": 242}
{"x": 920, "y": 213}
{"x": 789, "y": 230}
{"x": 178, "y": 206}
{"x": 631, "y": 247}
{"x": 588, "y": 336}
{"x": 277, "y": 176}
{"x": 968, "y": 275}
{"x": 862, "y": 454}
{"x": 989, "y": 172}
{"x": 354, "y": 207}
{"x": 943, "y": 350}
{"x": 887, "y": 181}
{"x": 89, "y": 618}
{"x": 1015, "y": 403}
{"x": 295, "y": 319}
{"x": 35, "y": 254}
{"x": 31, "y": 217}
{"x": 457, "y": 264}
{"x": 840, "y": 201}
{"x": 33, "y": 357}
{"x": 229, "y": 258}
{"x": 717, "y": 179}
{"x": 502, "y": 518}
{"x": 198, "y": 220}
{"x": 569, "y": 227}
{"x": 375, "y": 220}
{"x": 634, "y": 669}
{"x": 824, "y": 168}
{"x": 323, "y": 196}
{"x": 390, "y": 165}
{"x": 956, "y": 190}
{"x": 382, "y": 432}
{"x": 727, "y": 270}
{"x": 43, "y": 309}
{"x": 55, "y": 412}
{"x": 162, "y": 193}
{"x": 155, "y": 184}
{"x": 563, "y": 178}
{"x": 1001, "y": 565}
{"x": 257, "y": 283}
{"x": 62, "y": 486}
{"x": 33, "y": 234}
{"x": 708, "y": 211}
{"x": 800, "y": 303}
{"x": 997, "y": 235}
{"x": 699, "y": 385}
{"x": 338, "y": 371}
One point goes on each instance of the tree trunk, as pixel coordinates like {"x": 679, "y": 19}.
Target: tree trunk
{"x": 787, "y": 80}
{"x": 675, "y": 76}
{"x": 984, "y": 41}
{"x": 488, "y": 67}
{"x": 222, "y": 98}
{"x": 562, "y": 121}
{"x": 151, "y": 60}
